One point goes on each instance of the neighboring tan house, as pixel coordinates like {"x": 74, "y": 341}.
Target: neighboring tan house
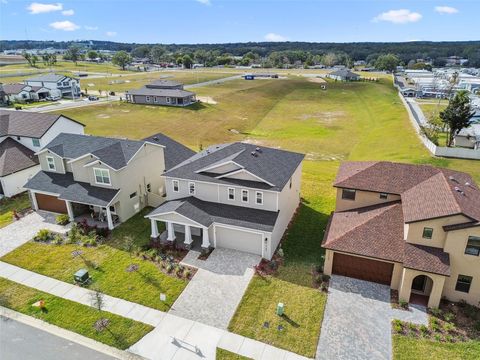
{"x": 25, "y": 93}
{"x": 161, "y": 92}
{"x": 237, "y": 196}
{"x": 100, "y": 179}
{"x": 58, "y": 85}
{"x": 415, "y": 228}
{"x": 21, "y": 135}
{"x": 343, "y": 75}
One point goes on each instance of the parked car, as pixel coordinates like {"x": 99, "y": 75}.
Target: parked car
{"x": 52, "y": 98}
{"x": 93, "y": 98}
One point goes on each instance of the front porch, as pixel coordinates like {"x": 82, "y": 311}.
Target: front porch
{"x": 182, "y": 234}
{"x": 101, "y": 217}
{"x": 180, "y": 240}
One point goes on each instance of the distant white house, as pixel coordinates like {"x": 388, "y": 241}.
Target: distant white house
{"x": 59, "y": 85}
{"x": 25, "y": 93}
{"x": 22, "y": 134}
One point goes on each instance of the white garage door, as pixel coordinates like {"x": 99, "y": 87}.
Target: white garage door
{"x": 239, "y": 240}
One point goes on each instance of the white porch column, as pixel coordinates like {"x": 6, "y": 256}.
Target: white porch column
{"x": 188, "y": 235}
{"x": 109, "y": 218}
{"x": 34, "y": 200}
{"x": 205, "y": 239}
{"x": 171, "y": 231}
{"x": 154, "y": 228}
{"x": 71, "y": 217}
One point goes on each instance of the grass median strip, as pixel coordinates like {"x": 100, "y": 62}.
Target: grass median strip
{"x": 227, "y": 355}
{"x": 119, "y": 332}
{"x": 9, "y": 205}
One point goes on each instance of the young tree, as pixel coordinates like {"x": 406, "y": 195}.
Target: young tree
{"x": 388, "y": 62}
{"x": 122, "y": 59}
{"x": 28, "y": 57}
{"x": 92, "y": 55}
{"x": 97, "y": 299}
{"x": 457, "y": 115}
{"x": 73, "y": 54}
{"x": 187, "y": 61}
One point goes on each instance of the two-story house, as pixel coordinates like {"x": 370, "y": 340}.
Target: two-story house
{"x": 415, "y": 228}
{"x": 161, "y": 92}
{"x": 21, "y": 135}
{"x": 25, "y": 93}
{"x": 104, "y": 179}
{"x": 58, "y": 85}
{"x": 238, "y": 196}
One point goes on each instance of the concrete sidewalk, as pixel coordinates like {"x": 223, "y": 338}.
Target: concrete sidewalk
{"x": 173, "y": 337}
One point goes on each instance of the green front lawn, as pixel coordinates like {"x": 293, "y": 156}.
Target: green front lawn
{"x": 301, "y": 321}
{"x": 106, "y": 264}
{"x": 120, "y": 333}
{"x": 18, "y": 203}
{"x": 227, "y": 355}
{"x": 407, "y": 348}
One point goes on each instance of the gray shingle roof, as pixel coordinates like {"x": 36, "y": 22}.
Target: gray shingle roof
{"x": 15, "y": 157}
{"x": 272, "y": 165}
{"x": 13, "y": 88}
{"x": 22, "y": 123}
{"x": 115, "y": 153}
{"x": 206, "y": 213}
{"x": 69, "y": 189}
{"x": 161, "y": 92}
{"x": 175, "y": 153}
{"x": 50, "y": 77}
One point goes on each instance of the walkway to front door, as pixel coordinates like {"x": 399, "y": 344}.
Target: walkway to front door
{"x": 357, "y": 320}
{"x": 215, "y": 291}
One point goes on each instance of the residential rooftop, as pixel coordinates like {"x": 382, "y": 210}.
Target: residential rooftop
{"x": 15, "y": 157}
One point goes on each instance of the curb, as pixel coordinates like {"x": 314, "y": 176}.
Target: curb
{"x": 68, "y": 335}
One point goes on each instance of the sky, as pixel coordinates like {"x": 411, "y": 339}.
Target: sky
{"x": 222, "y": 21}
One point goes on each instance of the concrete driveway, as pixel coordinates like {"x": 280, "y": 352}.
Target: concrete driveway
{"x": 23, "y": 230}
{"x": 357, "y": 320}
{"x": 213, "y": 294}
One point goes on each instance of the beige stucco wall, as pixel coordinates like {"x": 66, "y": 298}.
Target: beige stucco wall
{"x": 413, "y": 232}
{"x": 462, "y": 264}
{"x": 59, "y": 162}
{"x": 362, "y": 199}
{"x": 406, "y": 286}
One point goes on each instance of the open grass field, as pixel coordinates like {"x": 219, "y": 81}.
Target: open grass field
{"x": 65, "y": 66}
{"x": 107, "y": 266}
{"x": 227, "y": 355}
{"x": 8, "y": 205}
{"x": 348, "y": 121}
{"x": 121, "y": 332}
{"x": 406, "y": 348}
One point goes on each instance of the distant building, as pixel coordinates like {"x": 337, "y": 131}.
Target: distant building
{"x": 343, "y": 75}
{"x": 468, "y": 137}
{"x": 161, "y": 92}
{"x": 59, "y": 85}
{"x": 24, "y": 93}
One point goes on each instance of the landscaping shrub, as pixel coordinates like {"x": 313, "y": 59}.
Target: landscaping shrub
{"x": 62, "y": 219}
{"x": 403, "y": 304}
{"x": 424, "y": 330}
{"x": 449, "y": 316}
{"x": 325, "y": 278}
{"x": 43, "y": 235}
{"x": 448, "y": 326}
{"x": 477, "y": 326}
{"x": 57, "y": 239}
{"x": 436, "y": 312}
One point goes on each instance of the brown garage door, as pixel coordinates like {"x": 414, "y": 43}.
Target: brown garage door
{"x": 361, "y": 268}
{"x": 51, "y": 203}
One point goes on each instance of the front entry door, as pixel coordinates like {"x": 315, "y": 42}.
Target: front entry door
{"x": 418, "y": 284}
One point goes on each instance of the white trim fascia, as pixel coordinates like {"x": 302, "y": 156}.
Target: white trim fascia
{"x": 45, "y": 149}
{"x": 43, "y": 192}
{"x": 152, "y": 143}
{"x": 243, "y": 170}
{"x": 81, "y": 157}
{"x": 100, "y": 162}
{"x": 214, "y": 183}
{"x": 218, "y": 164}
{"x": 175, "y": 213}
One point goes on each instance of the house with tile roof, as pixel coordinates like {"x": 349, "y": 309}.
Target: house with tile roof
{"x": 161, "y": 92}
{"x": 22, "y": 134}
{"x": 102, "y": 180}
{"x": 415, "y": 228}
{"x": 238, "y": 196}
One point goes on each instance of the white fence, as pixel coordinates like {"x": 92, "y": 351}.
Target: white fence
{"x": 442, "y": 151}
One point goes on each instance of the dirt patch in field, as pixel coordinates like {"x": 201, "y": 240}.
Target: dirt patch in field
{"x": 207, "y": 100}
{"x": 324, "y": 117}
{"x": 103, "y": 116}
{"x": 317, "y": 80}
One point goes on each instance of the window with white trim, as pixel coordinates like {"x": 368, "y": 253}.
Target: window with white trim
{"x": 259, "y": 198}
{"x": 231, "y": 194}
{"x": 147, "y": 98}
{"x": 102, "y": 176}
{"x": 155, "y": 99}
{"x": 168, "y": 100}
{"x": 51, "y": 163}
{"x": 175, "y": 185}
{"x": 245, "y": 195}
{"x": 36, "y": 142}
{"x": 191, "y": 188}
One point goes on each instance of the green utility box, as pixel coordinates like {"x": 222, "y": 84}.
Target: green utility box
{"x": 280, "y": 309}
{"x": 81, "y": 277}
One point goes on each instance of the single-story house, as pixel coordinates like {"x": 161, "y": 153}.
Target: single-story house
{"x": 343, "y": 75}
{"x": 25, "y": 93}
{"x": 468, "y": 137}
{"x": 161, "y": 92}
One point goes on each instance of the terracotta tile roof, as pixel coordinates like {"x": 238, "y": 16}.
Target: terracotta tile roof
{"x": 426, "y": 258}
{"x": 373, "y": 231}
{"x": 426, "y": 191}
